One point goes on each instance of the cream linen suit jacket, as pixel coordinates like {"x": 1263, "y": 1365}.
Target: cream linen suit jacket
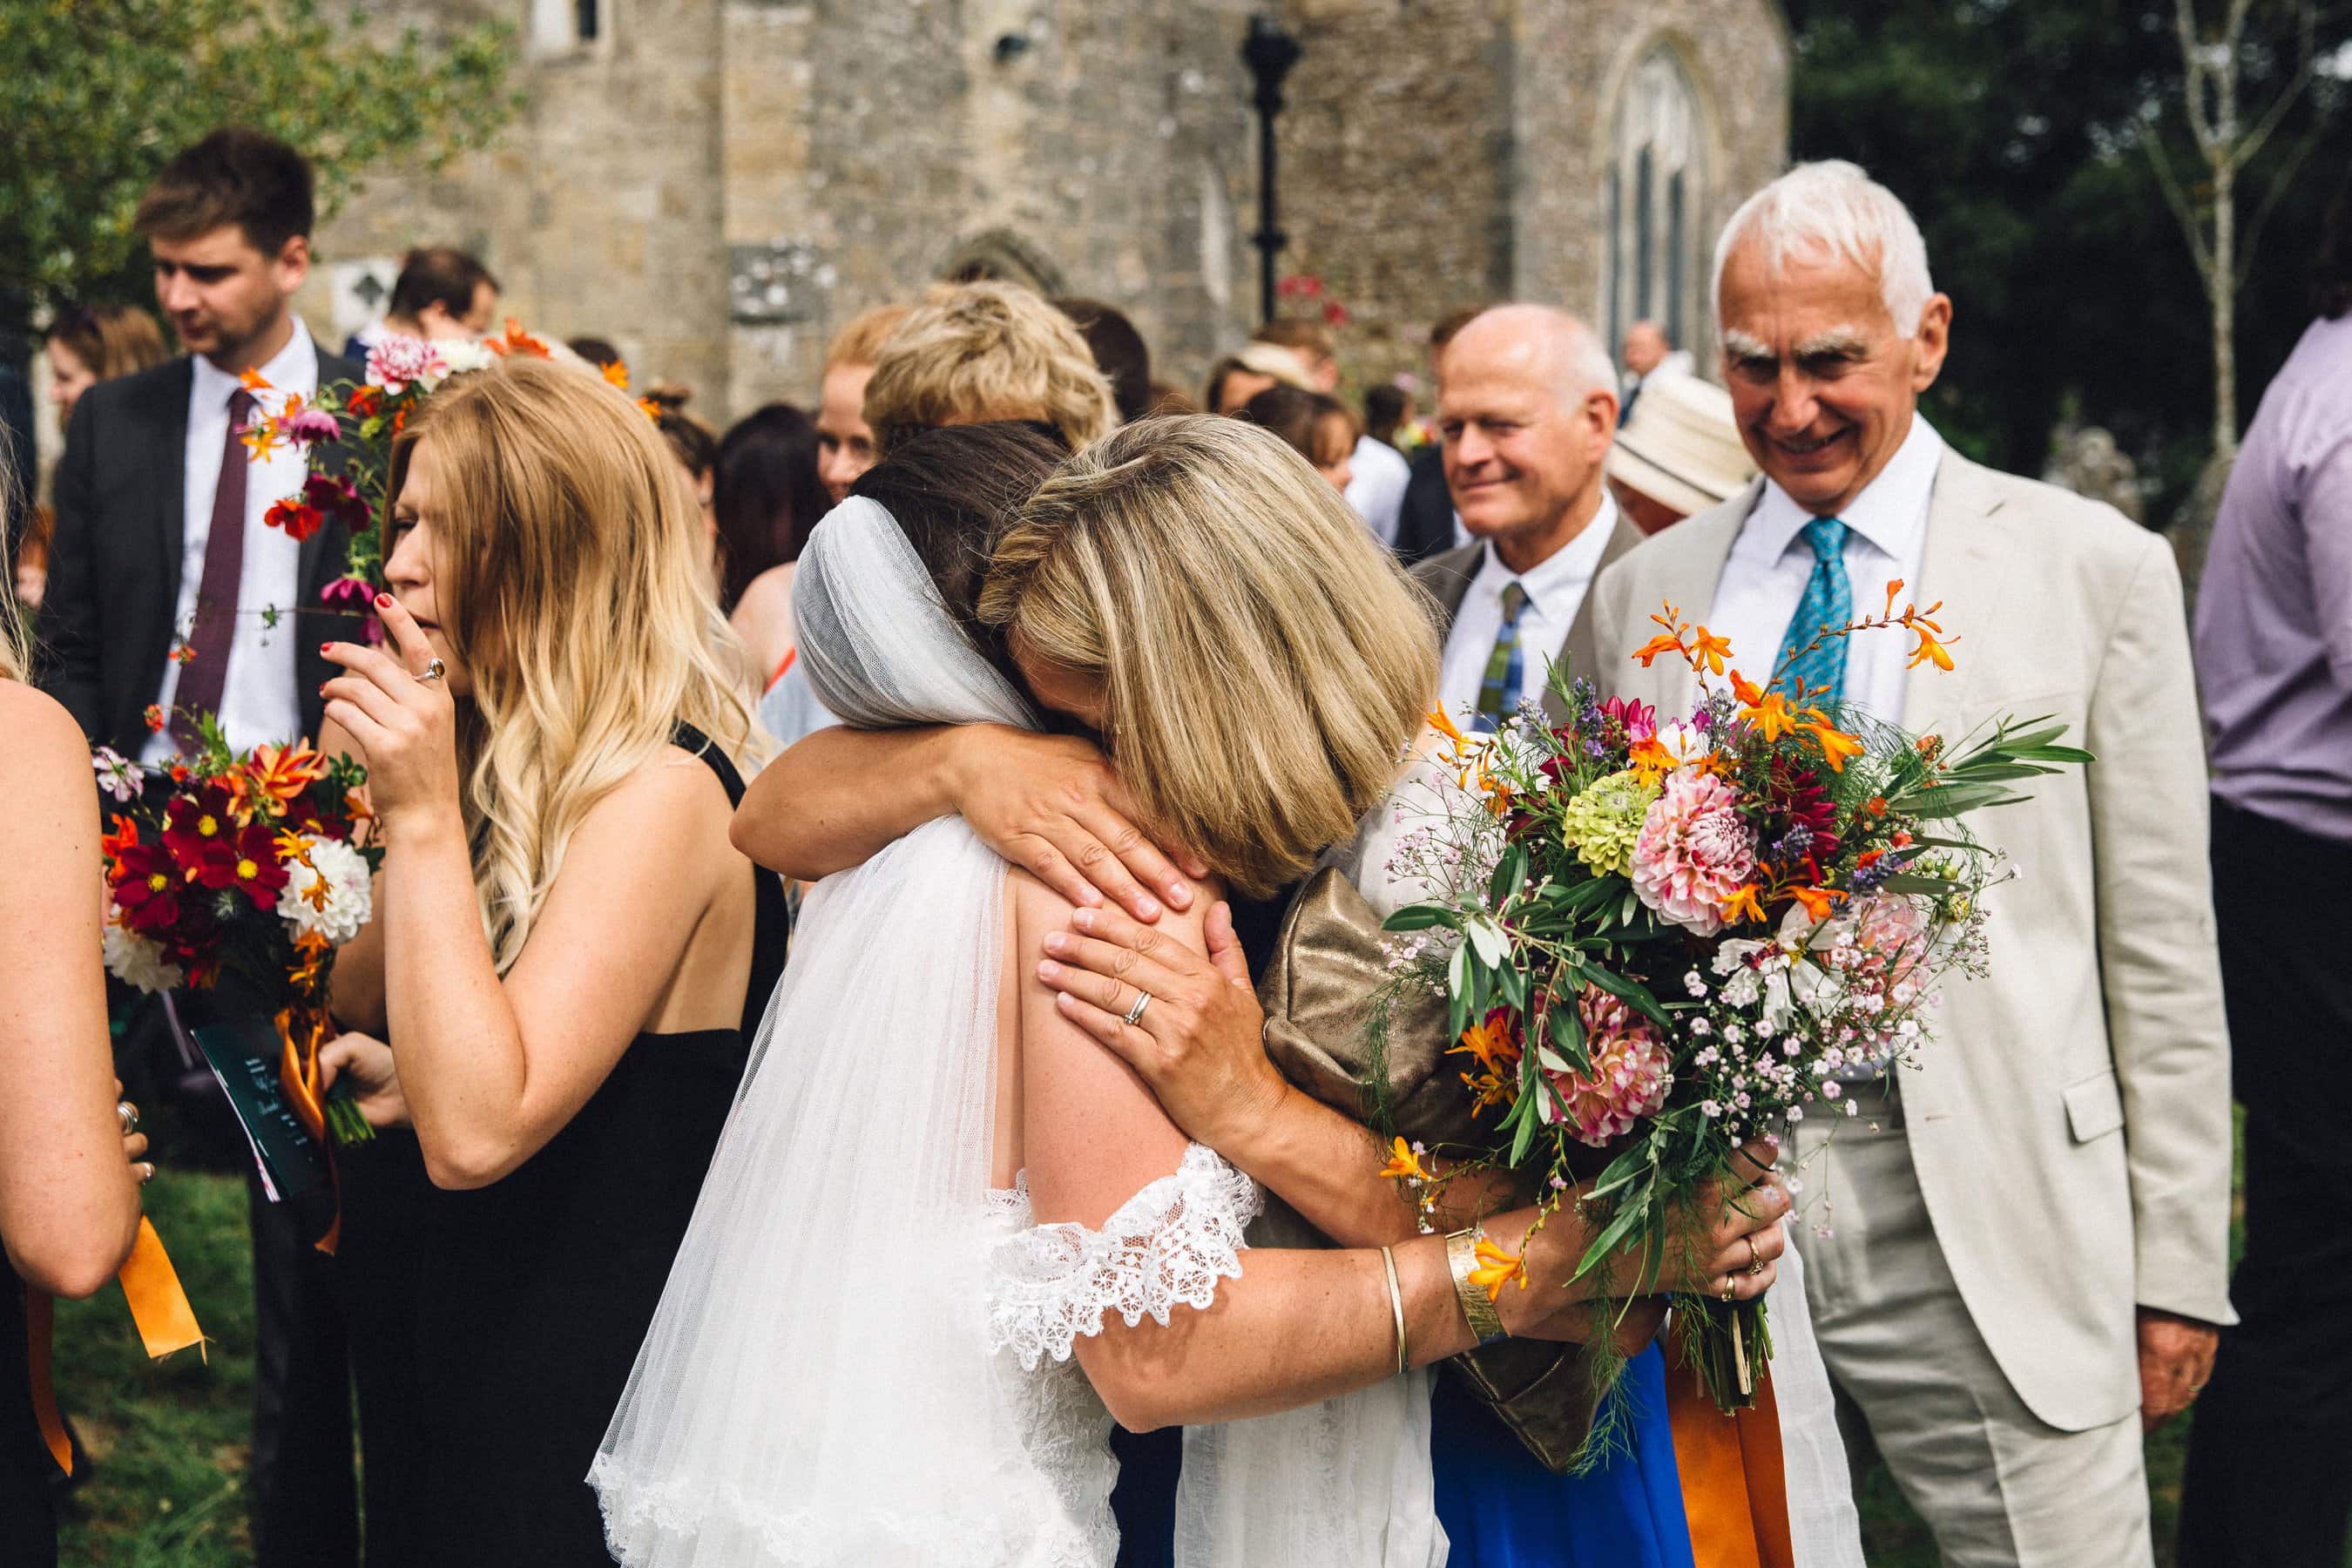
{"x": 2070, "y": 1122}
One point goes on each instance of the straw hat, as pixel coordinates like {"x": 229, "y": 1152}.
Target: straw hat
{"x": 1681, "y": 448}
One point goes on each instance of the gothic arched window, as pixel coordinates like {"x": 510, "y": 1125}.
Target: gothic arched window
{"x": 1656, "y": 192}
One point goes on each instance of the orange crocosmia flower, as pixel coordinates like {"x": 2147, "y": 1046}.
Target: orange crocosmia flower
{"x": 1650, "y": 760}
{"x": 261, "y": 439}
{"x": 1498, "y": 1269}
{"x": 154, "y": 717}
{"x": 1664, "y": 642}
{"x": 254, "y": 381}
{"x": 1404, "y": 1164}
{"x": 1771, "y": 716}
{"x": 1748, "y": 692}
{"x": 1490, "y": 1043}
{"x": 1818, "y": 901}
{"x": 517, "y": 342}
{"x": 1836, "y": 745}
{"x": 650, "y": 409}
{"x": 1929, "y": 651}
{"x": 309, "y": 970}
{"x": 1708, "y": 650}
{"x": 1447, "y": 728}
{"x": 617, "y": 373}
{"x": 1486, "y": 1089}
{"x": 125, "y": 834}
{"x": 1742, "y": 903}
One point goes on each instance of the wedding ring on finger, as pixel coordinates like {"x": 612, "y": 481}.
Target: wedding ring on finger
{"x": 128, "y": 1115}
{"x": 146, "y": 1172}
{"x": 1134, "y": 1014}
{"x": 434, "y": 671}
{"x": 1731, "y": 1286}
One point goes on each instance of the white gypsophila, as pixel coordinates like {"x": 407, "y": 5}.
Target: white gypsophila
{"x": 136, "y": 960}
{"x": 349, "y": 900}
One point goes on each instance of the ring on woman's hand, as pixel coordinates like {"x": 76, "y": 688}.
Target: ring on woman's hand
{"x": 146, "y": 1170}
{"x": 1754, "y": 1264}
{"x": 128, "y": 1114}
{"x": 1731, "y": 1286}
{"x": 1134, "y": 1014}
{"x": 434, "y": 671}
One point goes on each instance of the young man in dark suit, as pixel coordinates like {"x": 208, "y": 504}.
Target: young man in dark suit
{"x": 160, "y": 547}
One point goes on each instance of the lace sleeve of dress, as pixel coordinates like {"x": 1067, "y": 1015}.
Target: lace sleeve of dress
{"x": 1167, "y": 1246}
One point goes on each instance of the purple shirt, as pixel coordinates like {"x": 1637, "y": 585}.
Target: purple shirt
{"x": 2274, "y": 610}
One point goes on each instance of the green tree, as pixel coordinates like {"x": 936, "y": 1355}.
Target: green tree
{"x": 2016, "y": 130}
{"x": 99, "y": 94}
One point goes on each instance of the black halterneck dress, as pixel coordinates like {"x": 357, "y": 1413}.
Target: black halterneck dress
{"x": 530, "y": 1297}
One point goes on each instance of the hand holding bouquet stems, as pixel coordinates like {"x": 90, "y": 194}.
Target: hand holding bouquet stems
{"x": 256, "y": 865}
{"x": 1660, "y": 941}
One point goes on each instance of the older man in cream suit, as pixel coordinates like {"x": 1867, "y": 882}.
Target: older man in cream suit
{"x": 2027, "y": 1248}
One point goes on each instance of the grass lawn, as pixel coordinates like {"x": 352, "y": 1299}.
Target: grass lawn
{"x": 169, "y": 1439}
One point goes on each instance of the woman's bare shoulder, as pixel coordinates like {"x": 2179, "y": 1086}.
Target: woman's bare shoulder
{"x": 44, "y": 749}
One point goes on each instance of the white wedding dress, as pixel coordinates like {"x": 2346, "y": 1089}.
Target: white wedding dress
{"x": 862, "y": 1355}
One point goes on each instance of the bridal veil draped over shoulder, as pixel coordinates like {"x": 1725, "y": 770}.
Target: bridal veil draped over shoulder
{"x": 836, "y": 1372}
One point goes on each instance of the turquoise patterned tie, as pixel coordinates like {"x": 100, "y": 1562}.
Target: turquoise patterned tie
{"x": 1828, "y": 601}
{"x": 1498, "y": 689}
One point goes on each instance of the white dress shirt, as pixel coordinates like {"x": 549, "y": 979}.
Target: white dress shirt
{"x": 1886, "y": 537}
{"x": 1378, "y": 474}
{"x": 1555, "y": 591}
{"x": 259, "y": 705}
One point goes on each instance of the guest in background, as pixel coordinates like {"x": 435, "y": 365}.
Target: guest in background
{"x": 69, "y": 1196}
{"x": 845, "y": 440}
{"x": 1528, "y": 403}
{"x": 1378, "y": 474}
{"x": 1238, "y": 376}
{"x": 1647, "y": 352}
{"x": 1388, "y": 409}
{"x": 594, "y": 351}
{"x": 1679, "y": 453}
{"x": 1426, "y": 524}
{"x": 566, "y": 954}
{"x": 442, "y": 295}
{"x": 695, "y": 448}
{"x": 1120, "y": 353}
{"x": 2270, "y": 1457}
{"x": 159, "y": 535}
{"x": 86, "y": 344}
{"x": 1318, "y": 428}
{"x": 767, "y": 496}
{"x": 971, "y": 353}
{"x": 979, "y": 352}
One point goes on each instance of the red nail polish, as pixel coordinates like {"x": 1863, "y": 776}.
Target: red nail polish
{"x": 326, "y": 647}
{"x": 384, "y": 601}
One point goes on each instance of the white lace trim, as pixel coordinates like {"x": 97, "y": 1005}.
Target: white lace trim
{"x": 1167, "y": 1246}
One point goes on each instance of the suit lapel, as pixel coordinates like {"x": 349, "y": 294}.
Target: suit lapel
{"x": 167, "y": 418}
{"x": 1580, "y": 648}
{"x": 1965, "y": 567}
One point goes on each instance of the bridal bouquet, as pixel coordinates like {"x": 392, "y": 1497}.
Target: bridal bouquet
{"x": 256, "y": 866}
{"x": 1660, "y": 939}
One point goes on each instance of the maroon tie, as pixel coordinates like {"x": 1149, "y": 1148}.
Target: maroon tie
{"x": 204, "y": 677}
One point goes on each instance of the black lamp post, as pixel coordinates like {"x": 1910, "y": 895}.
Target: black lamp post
{"x": 1270, "y": 52}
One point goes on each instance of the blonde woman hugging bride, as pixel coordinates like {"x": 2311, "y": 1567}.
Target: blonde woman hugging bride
{"x": 948, "y": 1240}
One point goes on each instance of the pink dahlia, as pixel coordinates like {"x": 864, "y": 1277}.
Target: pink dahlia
{"x": 1632, "y": 1071}
{"x": 398, "y": 362}
{"x": 1695, "y": 851}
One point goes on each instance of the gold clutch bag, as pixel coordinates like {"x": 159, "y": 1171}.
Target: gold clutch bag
{"x": 1327, "y": 965}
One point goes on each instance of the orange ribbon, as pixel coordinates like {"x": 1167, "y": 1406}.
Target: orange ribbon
{"x": 1735, "y": 1489}
{"x": 158, "y": 1307}
{"x": 298, "y": 1075}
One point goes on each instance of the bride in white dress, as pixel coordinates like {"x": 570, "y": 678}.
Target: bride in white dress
{"x": 946, "y": 1237}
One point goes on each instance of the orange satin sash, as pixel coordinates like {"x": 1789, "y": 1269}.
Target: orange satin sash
{"x": 159, "y": 1307}
{"x": 1735, "y": 1491}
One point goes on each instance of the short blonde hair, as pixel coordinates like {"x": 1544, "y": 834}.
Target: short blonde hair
{"x": 974, "y": 352}
{"x": 1264, "y": 662}
{"x": 860, "y": 341}
{"x": 576, "y": 587}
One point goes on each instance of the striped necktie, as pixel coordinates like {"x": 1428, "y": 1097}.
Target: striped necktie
{"x": 1499, "y": 689}
{"x": 1828, "y": 602}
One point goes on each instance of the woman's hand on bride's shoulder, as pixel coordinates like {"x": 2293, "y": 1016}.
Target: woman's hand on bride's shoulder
{"x": 1198, "y": 1041}
{"x": 1052, "y": 806}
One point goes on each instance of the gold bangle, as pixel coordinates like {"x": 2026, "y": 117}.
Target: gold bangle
{"x": 1396, "y": 1304}
{"x": 1477, "y": 1311}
